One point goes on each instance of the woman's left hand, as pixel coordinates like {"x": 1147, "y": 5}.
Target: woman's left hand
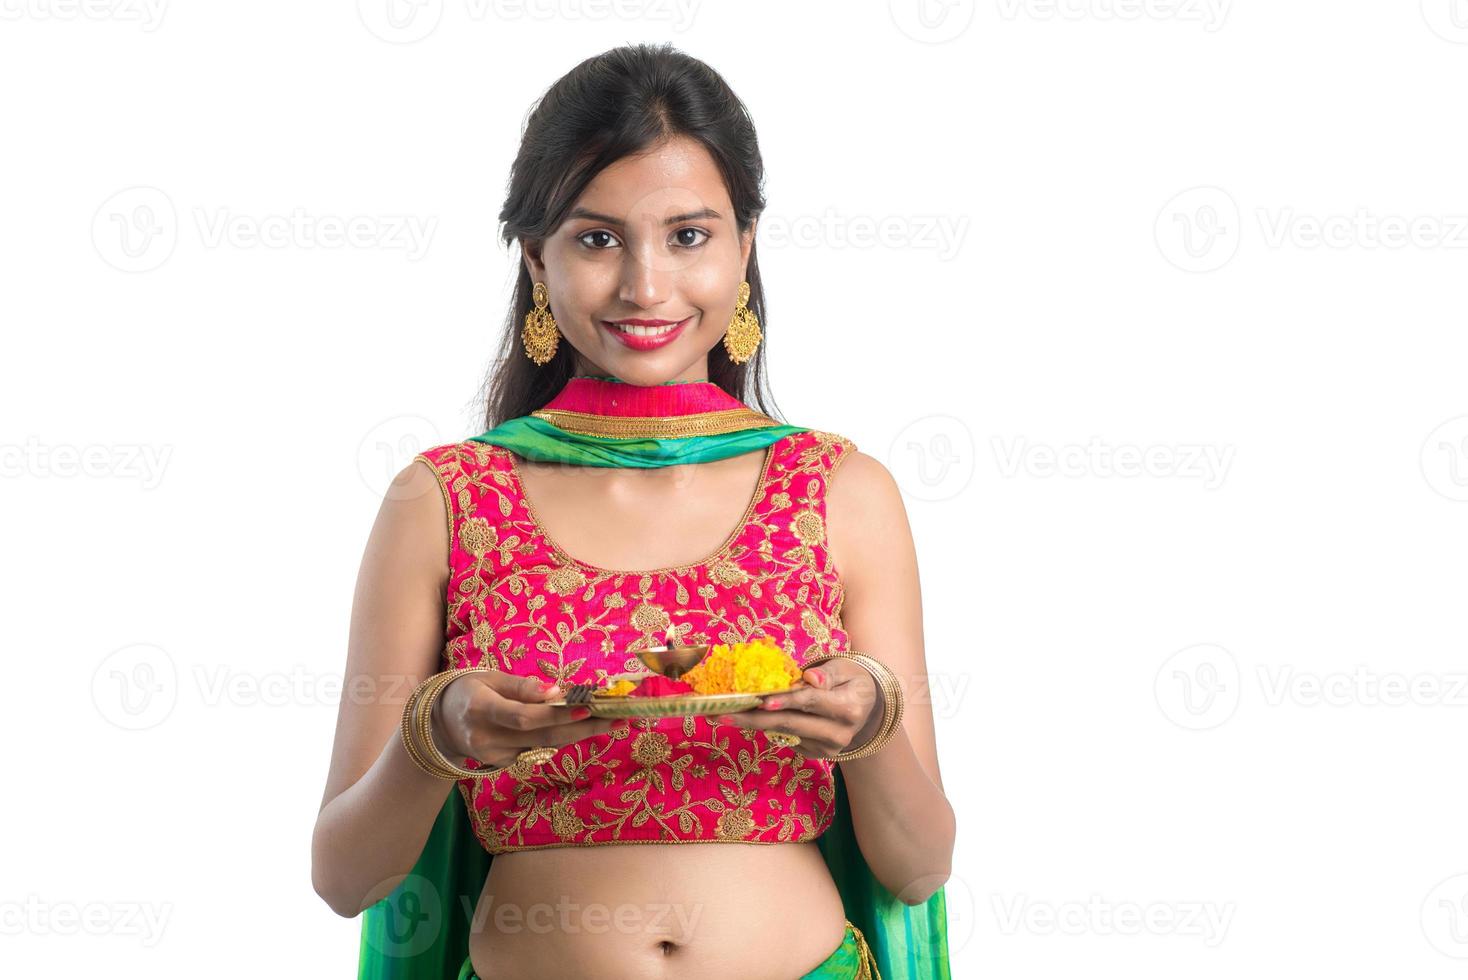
{"x": 839, "y": 700}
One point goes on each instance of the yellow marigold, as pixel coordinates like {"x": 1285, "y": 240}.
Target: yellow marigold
{"x": 618, "y": 689}
{"x": 746, "y": 668}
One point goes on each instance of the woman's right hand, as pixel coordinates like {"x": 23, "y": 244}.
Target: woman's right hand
{"x": 493, "y": 717}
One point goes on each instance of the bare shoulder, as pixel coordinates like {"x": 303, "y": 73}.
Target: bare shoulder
{"x": 414, "y": 523}
{"x": 861, "y": 489}
{"x": 860, "y": 475}
{"x": 865, "y": 516}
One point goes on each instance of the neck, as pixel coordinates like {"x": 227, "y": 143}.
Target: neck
{"x": 696, "y": 370}
{"x": 605, "y": 395}
{"x": 608, "y": 377}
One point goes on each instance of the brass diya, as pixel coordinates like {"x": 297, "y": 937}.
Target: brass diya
{"x": 672, "y": 662}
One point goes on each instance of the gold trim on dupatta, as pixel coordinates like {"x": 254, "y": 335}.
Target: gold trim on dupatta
{"x": 655, "y": 426}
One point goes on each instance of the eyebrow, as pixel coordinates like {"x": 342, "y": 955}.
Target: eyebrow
{"x": 580, "y": 212}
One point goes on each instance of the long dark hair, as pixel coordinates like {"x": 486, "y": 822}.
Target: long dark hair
{"x": 619, "y": 103}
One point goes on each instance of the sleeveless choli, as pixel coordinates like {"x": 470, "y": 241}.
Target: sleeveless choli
{"x": 519, "y": 603}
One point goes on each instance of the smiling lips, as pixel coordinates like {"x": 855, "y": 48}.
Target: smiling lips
{"x": 645, "y": 334}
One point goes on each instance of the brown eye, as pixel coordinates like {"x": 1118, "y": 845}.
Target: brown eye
{"x": 602, "y": 238}
{"x": 684, "y": 243}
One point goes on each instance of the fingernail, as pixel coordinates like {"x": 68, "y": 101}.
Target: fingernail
{"x": 725, "y": 719}
{"x": 546, "y": 686}
{"x": 818, "y": 677}
{"x": 770, "y": 705}
{"x": 578, "y": 713}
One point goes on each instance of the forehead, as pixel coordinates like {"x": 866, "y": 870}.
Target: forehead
{"x": 677, "y": 176}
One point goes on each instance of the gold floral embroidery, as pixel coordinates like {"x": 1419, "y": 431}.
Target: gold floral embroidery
{"x": 650, "y": 749}
{"x": 519, "y": 604}
{"x": 564, "y": 581}
{"x": 813, "y": 625}
{"x": 650, "y": 619}
{"x": 726, "y": 573}
{"x": 809, "y": 527}
{"x": 476, "y": 536}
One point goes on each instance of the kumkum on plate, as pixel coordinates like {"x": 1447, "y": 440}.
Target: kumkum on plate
{"x": 680, "y": 705}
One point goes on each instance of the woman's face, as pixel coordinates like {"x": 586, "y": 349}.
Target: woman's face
{"x": 652, "y": 238}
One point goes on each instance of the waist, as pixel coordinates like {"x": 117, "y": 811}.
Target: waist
{"x": 657, "y": 911}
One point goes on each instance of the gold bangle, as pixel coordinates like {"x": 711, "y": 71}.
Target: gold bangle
{"x": 423, "y": 723}
{"x": 527, "y": 759}
{"x": 892, "y": 711}
{"x": 415, "y": 722}
{"x": 889, "y": 732}
{"x": 406, "y": 731}
{"x": 423, "y": 716}
{"x": 892, "y": 703}
{"x": 417, "y": 727}
{"x": 426, "y": 756}
{"x": 891, "y": 700}
{"x": 893, "y": 692}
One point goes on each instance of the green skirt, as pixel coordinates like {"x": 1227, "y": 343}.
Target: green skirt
{"x": 852, "y": 960}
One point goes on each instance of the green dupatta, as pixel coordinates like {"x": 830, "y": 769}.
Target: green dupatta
{"x": 421, "y": 930}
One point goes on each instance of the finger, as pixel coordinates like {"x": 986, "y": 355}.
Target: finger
{"x": 813, "y": 701}
{"x": 528, "y": 689}
{"x": 818, "y": 739}
{"x": 790, "y": 722}
{"x": 525, "y": 717}
{"x": 816, "y": 677}
{"x": 553, "y": 736}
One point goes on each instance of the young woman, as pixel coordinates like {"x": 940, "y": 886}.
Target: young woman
{"x": 627, "y": 497}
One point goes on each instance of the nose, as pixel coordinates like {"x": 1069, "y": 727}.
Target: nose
{"x": 645, "y": 283}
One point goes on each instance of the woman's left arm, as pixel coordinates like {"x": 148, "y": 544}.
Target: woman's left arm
{"x": 903, "y": 822}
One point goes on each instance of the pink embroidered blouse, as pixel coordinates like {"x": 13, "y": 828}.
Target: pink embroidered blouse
{"x": 519, "y": 603}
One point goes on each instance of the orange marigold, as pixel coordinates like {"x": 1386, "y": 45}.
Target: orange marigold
{"x": 746, "y": 668}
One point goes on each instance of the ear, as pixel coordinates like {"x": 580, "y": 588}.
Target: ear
{"x": 531, "y": 251}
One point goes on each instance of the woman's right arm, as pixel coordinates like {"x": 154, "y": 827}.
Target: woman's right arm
{"x": 379, "y": 807}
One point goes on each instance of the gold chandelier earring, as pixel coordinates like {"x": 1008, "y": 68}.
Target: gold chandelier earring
{"x": 743, "y": 335}
{"x": 540, "y": 335}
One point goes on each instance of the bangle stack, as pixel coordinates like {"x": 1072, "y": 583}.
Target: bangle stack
{"x": 886, "y": 682}
{"x": 417, "y": 732}
{"x": 417, "y": 727}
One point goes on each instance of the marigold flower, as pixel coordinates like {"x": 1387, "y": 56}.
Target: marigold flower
{"x": 745, "y": 668}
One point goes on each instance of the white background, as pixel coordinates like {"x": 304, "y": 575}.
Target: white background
{"x": 1204, "y": 719}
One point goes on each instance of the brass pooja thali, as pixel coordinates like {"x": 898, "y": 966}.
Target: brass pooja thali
{"x": 670, "y": 662}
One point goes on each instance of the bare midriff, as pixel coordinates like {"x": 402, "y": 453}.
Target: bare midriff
{"x": 694, "y": 911}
